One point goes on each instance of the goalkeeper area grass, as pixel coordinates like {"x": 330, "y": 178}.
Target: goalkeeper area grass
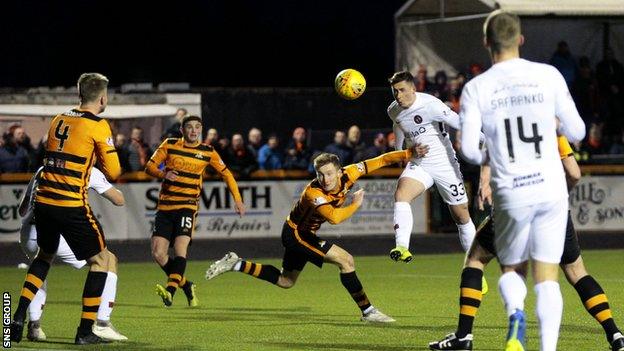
{"x": 238, "y": 312}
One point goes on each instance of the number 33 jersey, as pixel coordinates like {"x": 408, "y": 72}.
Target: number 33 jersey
{"x": 515, "y": 103}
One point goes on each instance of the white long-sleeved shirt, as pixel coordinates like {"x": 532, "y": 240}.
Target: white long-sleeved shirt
{"x": 515, "y": 103}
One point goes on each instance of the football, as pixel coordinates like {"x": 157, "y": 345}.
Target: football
{"x": 350, "y": 84}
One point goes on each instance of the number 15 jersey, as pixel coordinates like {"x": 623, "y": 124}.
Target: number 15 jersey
{"x": 515, "y": 102}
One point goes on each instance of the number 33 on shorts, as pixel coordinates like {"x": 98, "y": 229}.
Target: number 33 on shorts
{"x": 458, "y": 190}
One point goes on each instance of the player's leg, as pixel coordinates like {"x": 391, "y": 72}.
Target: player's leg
{"x": 547, "y": 239}
{"x": 35, "y": 311}
{"x": 479, "y": 255}
{"x": 512, "y": 228}
{"x": 589, "y": 290}
{"x": 412, "y": 183}
{"x": 162, "y": 237}
{"x": 465, "y": 227}
{"x": 349, "y": 279}
{"x": 180, "y": 248}
{"x": 48, "y": 242}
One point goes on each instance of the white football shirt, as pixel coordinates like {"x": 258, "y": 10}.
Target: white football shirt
{"x": 516, "y": 102}
{"x": 424, "y": 123}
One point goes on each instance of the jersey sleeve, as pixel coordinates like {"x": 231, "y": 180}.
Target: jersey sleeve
{"x": 322, "y": 206}
{"x": 565, "y": 149}
{"x": 159, "y": 156}
{"x": 399, "y": 137}
{"x": 443, "y": 113}
{"x": 359, "y": 169}
{"x": 105, "y": 151}
{"x": 98, "y": 181}
{"x": 217, "y": 163}
{"x": 572, "y": 126}
{"x": 470, "y": 126}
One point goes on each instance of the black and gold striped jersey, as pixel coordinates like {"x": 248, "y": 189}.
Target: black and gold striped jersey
{"x": 189, "y": 163}
{"x": 76, "y": 140}
{"x": 316, "y": 206}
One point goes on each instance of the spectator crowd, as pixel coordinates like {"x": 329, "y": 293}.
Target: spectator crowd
{"x": 597, "y": 91}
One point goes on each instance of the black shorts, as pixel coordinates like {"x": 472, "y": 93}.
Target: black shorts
{"x": 302, "y": 247}
{"x": 171, "y": 224}
{"x": 571, "y": 248}
{"x": 78, "y": 225}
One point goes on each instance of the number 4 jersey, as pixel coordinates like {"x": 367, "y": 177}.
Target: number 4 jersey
{"x": 515, "y": 102}
{"x": 76, "y": 140}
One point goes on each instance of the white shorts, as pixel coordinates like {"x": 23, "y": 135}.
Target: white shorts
{"x": 536, "y": 231}
{"x": 446, "y": 176}
{"x": 28, "y": 242}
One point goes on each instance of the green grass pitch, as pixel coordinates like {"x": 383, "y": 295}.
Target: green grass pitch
{"x": 238, "y": 312}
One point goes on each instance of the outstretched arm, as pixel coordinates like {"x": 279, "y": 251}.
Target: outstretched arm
{"x": 335, "y": 215}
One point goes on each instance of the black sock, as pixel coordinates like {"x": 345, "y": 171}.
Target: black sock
{"x": 265, "y": 272}
{"x": 178, "y": 266}
{"x": 469, "y": 300}
{"x": 167, "y": 267}
{"x": 34, "y": 279}
{"x": 596, "y": 304}
{"x": 351, "y": 282}
{"x": 91, "y": 298}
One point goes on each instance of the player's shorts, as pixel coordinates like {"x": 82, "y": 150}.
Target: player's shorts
{"x": 171, "y": 224}
{"x": 302, "y": 247}
{"x": 536, "y": 231}
{"x": 28, "y": 242}
{"x": 78, "y": 225}
{"x": 446, "y": 176}
{"x": 571, "y": 247}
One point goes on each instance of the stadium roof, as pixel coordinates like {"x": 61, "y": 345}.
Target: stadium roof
{"x": 420, "y": 9}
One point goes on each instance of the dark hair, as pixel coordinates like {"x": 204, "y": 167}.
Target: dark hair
{"x": 326, "y": 158}
{"x": 402, "y": 76}
{"x": 501, "y": 30}
{"x": 91, "y": 86}
{"x": 187, "y": 119}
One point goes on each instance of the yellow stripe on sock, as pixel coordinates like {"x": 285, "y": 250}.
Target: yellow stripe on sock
{"x": 603, "y": 315}
{"x": 175, "y": 276}
{"x": 247, "y": 267}
{"x": 596, "y": 300}
{"x": 468, "y": 310}
{"x": 27, "y": 293}
{"x": 91, "y": 301}
{"x": 471, "y": 293}
{"x": 174, "y": 284}
{"x": 256, "y": 271}
{"x": 89, "y": 315}
{"x": 183, "y": 281}
{"x": 34, "y": 280}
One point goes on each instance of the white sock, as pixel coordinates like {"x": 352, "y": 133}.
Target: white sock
{"x": 35, "y": 309}
{"x": 513, "y": 291}
{"x": 403, "y": 222}
{"x": 238, "y": 265}
{"x": 108, "y": 297}
{"x": 467, "y": 233}
{"x": 549, "y": 308}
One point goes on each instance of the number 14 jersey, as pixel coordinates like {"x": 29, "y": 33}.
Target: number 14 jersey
{"x": 515, "y": 103}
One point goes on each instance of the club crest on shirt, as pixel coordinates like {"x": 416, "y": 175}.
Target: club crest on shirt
{"x": 319, "y": 201}
{"x": 418, "y": 119}
{"x": 360, "y": 167}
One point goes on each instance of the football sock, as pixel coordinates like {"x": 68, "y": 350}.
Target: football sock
{"x": 260, "y": 271}
{"x": 176, "y": 272}
{"x": 108, "y": 297}
{"x": 549, "y": 308}
{"x": 469, "y": 300}
{"x": 467, "y": 233}
{"x": 35, "y": 309}
{"x": 34, "y": 280}
{"x": 403, "y": 222}
{"x": 351, "y": 282}
{"x": 91, "y": 298}
{"x": 513, "y": 291}
{"x": 596, "y": 304}
{"x": 167, "y": 267}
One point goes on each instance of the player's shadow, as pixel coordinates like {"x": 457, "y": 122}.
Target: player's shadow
{"x": 262, "y": 309}
{"x": 339, "y": 346}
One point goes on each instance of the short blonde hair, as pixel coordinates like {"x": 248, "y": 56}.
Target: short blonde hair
{"x": 501, "y": 30}
{"x": 91, "y": 86}
{"x": 326, "y": 158}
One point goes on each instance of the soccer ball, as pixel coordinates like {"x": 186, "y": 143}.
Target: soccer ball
{"x": 350, "y": 84}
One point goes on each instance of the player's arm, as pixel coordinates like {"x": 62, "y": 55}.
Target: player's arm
{"x": 153, "y": 165}
{"x": 485, "y": 191}
{"x": 25, "y": 201}
{"x": 470, "y": 121}
{"x": 105, "y": 151}
{"x": 336, "y": 215}
{"x": 217, "y": 163}
{"x": 571, "y": 168}
{"x": 399, "y": 136}
{"x": 100, "y": 184}
{"x": 572, "y": 125}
